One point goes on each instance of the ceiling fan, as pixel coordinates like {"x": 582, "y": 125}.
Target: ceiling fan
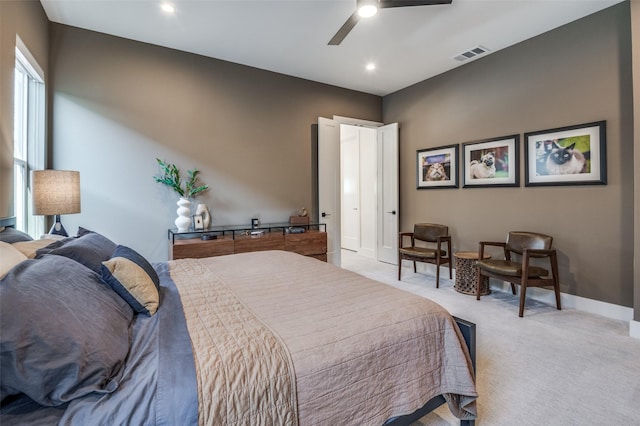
{"x": 367, "y": 8}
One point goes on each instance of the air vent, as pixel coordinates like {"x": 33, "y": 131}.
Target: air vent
{"x": 471, "y": 53}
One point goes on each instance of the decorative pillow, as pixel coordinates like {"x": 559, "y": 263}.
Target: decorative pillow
{"x": 9, "y": 257}
{"x": 90, "y": 249}
{"x": 29, "y": 248}
{"x": 11, "y": 235}
{"x": 83, "y": 231}
{"x": 64, "y": 333}
{"x": 134, "y": 279}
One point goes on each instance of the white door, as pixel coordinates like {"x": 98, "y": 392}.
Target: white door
{"x": 388, "y": 200}
{"x": 329, "y": 185}
{"x": 350, "y": 186}
{"x": 368, "y": 192}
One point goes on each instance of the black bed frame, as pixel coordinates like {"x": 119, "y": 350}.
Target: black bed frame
{"x": 468, "y": 330}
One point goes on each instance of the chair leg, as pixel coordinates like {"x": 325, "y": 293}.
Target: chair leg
{"x": 450, "y": 274}
{"x": 523, "y": 293}
{"x": 399, "y": 268}
{"x": 513, "y": 289}
{"x": 556, "y": 282}
{"x": 437, "y": 275}
{"x": 414, "y": 267}
{"x": 556, "y": 287}
{"x": 478, "y": 281}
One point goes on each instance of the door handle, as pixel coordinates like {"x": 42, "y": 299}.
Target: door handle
{"x": 325, "y": 214}
{"x": 392, "y": 212}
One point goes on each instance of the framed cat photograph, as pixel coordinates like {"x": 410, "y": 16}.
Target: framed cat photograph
{"x": 572, "y": 155}
{"x": 491, "y": 162}
{"x": 437, "y": 167}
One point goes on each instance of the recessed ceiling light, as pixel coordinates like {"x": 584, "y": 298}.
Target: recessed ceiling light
{"x": 367, "y": 11}
{"x": 167, "y": 7}
{"x": 371, "y": 66}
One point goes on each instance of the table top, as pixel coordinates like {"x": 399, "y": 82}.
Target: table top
{"x": 470, "y": 255}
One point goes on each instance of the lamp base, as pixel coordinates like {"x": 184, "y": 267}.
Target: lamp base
{"x": 57, "y": 228}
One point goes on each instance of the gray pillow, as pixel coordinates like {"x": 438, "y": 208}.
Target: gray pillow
{"x": 90, "y": 249}
{"x": 65, "y": 334}
{"x": 11, "y": 235}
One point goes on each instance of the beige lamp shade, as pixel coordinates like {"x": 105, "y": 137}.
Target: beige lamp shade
{"x": 55, "y": 192}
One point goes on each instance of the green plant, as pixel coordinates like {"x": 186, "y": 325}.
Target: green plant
{"x": 170, "y": 176}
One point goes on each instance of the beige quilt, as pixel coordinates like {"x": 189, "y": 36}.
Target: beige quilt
{"x": 283, "y": 339}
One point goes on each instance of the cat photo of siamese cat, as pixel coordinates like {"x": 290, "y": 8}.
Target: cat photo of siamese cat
{"x": 553, "y": 159}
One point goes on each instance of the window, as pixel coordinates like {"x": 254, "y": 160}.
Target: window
{"x": 28, "y": 136}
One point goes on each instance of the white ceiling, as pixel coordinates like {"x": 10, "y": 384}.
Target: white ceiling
{"x": 407, "y": 45}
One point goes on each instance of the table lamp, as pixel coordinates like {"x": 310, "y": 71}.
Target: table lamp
{"x": 55, "y": 192}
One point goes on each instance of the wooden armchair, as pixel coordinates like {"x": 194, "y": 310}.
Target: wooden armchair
{"x": 431, "y": 234}
{"x": 528, "y": 245}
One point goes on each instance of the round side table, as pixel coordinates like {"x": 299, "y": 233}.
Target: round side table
{"x": 466, "y": 274}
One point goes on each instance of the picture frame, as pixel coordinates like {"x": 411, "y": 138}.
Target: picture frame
{"x": 198, "y": 222}
{"x": 493, "y": 162}
{"x": 437, "y": 167}
{"x": 571, "y": 155}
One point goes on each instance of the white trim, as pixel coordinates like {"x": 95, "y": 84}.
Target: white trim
{"x": 605, "y": 309}
{"x": 634, "y": 329}
{"x": 27, "y": 60}
{"x": 356, "y": 121}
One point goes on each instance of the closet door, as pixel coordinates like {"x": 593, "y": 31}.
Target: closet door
{"x": 350, "y": 186}
{"x": 329, "y": 185}
{"x": 388, "y": 198}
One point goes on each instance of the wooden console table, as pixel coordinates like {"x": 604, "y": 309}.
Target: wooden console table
{"x": 238, "y": 239}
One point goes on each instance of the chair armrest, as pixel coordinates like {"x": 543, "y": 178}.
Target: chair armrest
{"x": 537, "y": 252}
{"x": 440, "y": 240}
{"x": 401, "y": 236}
{"x": 483, "y": 244}
{"x": 493, "y": 243}
{"x": 540, "y": 251}
{"x": 444, "y": 239}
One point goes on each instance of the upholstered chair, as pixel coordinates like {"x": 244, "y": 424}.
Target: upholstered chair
{"x": 430, "y": 243}
{"x": 519, "y": 269}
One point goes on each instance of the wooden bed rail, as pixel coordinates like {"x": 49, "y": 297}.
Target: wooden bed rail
{"x": 468, "y": 330}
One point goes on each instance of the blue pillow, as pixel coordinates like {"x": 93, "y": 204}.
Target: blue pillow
{"x": 11, "y": 235}
{"x": 90, "y": 249}
{"x": 64, "y": 333}
{"x": 131, "y": 276}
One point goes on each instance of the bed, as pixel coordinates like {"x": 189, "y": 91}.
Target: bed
{"x": 94, "y": 334}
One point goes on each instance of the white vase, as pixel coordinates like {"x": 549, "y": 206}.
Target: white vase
{"x": 183, "y": 221}
{"x": 206, "y": 217}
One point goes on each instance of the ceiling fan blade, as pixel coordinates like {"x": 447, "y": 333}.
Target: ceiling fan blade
{"x": 344, "y": 29}
{"x": 404, "y": 3}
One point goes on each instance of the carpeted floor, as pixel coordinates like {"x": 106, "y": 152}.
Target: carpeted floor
{"x": 549, "y": 368}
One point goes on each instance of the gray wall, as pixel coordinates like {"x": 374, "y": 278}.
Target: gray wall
{"x": 119, "y": 104}
{"x": 28, "y": 20}
{"x": 635, "y": 29}
{"x": 575, "y": 74}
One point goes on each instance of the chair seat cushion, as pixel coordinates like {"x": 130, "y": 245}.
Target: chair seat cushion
{"x": 514, "y": 269}
{"x": 422, "y": 252}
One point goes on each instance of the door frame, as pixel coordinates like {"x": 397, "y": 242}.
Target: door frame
{"x": 335, "y": 257}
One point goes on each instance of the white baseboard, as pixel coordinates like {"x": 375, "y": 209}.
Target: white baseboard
{"x": 605, "y": 309}
{"x": 608, "y": 310}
